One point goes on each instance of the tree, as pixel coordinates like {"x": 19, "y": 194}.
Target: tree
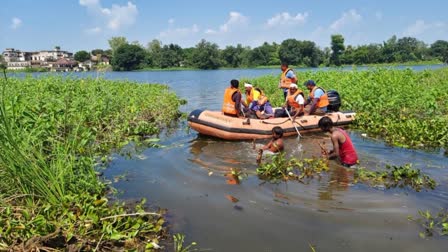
{"x": 206, "y": 55}
{"x": 337, "y": 48}
{"x": 312, "y": 56}
{"x": 188, "y": 57}
{"x": 154, "y": 56}
{"x": 128, "y": 57}
{"x": 409, "y": 49}
{"x": 265, "y": 55}
{"x": 439, "y": 49}
{"x": 116, "y": 42}
{"x": 171, "y": 56}
{"x": 232, "y": 56}
{"x": 95, "y": 52}
{"x": 82, "y": 56}
{"x": 289, "y": 52}
{"x": 389, "y": 50}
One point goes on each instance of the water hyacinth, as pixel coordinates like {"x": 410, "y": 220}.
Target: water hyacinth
{"x": 52, "y": 132}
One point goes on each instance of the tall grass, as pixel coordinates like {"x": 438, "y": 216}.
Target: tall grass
{"x": 53, "y": 128}
{"x": 52, "y": 132}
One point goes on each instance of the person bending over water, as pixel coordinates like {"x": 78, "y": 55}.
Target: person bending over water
{"x": 343, "y": 148}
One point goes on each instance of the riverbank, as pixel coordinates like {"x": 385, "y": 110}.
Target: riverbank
{"x": 413, "y": 63}
{"x": 56, "y": 134}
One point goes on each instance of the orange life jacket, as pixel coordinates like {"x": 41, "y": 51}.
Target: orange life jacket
{"x": 228, "y": 105}
{"x": 292, "y": 98}
{"x": 284, "y": 80}
{"x": 323, "y": 100}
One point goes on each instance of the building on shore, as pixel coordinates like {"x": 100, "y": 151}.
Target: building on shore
{"x": 52, "y": 60}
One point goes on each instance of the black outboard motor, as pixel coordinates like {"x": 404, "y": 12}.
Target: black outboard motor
{"x": 335, "y": 101}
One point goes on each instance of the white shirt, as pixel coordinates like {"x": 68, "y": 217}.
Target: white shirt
{"x": 299, "y": 99}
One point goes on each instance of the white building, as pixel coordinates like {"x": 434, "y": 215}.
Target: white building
{"x": 17, "y": 59}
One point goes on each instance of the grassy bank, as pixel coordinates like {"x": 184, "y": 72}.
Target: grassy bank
{"x": 53, "y": 132}
{"x": 403, "y": 107}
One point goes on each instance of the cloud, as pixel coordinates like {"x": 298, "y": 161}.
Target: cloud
{"x": 179, "y": 32}
{"x": 420, "y": 27}
{"x": 379, "y": 15}
{"x": 417, "y": 28}
{"x": 93, "y": 30}
{"x": 347, "y": 18}
{"x": 171, "y": 21}
{"x": 89, "y": 3}
{"x": 16, "y": 23}
{"x": 236, "y": 19}
{"x": 115, "y": 17}
{"x": 286, "y": 19}
{"x": 210, "y": 31}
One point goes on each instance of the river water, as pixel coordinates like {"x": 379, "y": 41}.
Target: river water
{"x": 330, "y": 213}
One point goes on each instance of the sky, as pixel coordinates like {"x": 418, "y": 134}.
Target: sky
{"x": 33, "y": 25}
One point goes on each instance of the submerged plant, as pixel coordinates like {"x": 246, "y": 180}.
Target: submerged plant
{"x": 433, "y": 223}
{"x": 396, "y": 176}
{"x": 179, "y": 240}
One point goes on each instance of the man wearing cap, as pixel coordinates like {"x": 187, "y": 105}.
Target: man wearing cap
{"x": 293, "y": 103}
{"x": 252, "y": 94}
{"x": 286, "y": 78}
{"x": 317, "y": 102}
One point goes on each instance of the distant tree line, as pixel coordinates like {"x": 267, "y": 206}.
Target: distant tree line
{"x": 206, "y": 55}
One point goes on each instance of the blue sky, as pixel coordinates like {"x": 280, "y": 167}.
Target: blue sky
{"x": 88, "y": 24}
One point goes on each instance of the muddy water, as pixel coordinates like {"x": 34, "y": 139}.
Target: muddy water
{"x": 329, "y": 213}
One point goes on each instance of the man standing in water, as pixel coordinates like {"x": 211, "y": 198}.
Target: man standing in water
{"x": 286, "y": 79}
{"x": 275, "y": 145}
{"x": 343, "y": 148}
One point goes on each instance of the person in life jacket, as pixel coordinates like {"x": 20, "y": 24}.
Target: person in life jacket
{"x": 343, "y": 148}
{"x": 287, "y": 77}
{"x": 317, "y": 102}
{"x": 232, "y": 100}
{"x": 294, "y": 103}
{"x": 252, "y": 94}
{"x": 258, "y": 102}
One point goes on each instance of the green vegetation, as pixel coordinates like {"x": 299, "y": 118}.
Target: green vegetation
{"x": 53, "y": 133}
{"x": 278, "y": 168}
{"x": 395, "y": 176}
{"x": 179, "y": 240}
{"x": 207, "y": 55}
{"x": 127, "y": 57}
{"x": 405, "y": 108}
{"x": 281, "y": 168}
{"x": 434, "y": 224}
{"x": 82, "y": 56}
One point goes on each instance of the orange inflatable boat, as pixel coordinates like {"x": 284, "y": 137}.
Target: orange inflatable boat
{"x": 216, "y": 124}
